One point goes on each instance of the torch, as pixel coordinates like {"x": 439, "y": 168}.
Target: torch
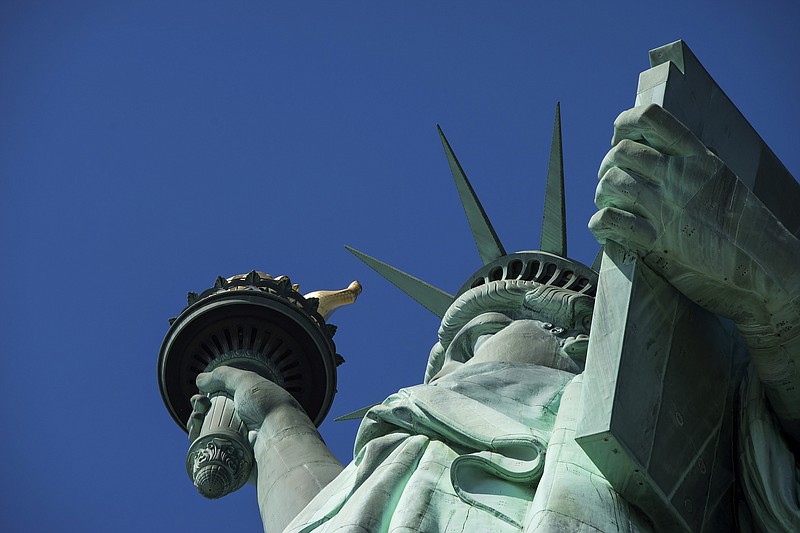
{"x": 252, "y": 322}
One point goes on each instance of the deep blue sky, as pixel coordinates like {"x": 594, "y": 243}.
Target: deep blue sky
{"x": 147, "y": 147}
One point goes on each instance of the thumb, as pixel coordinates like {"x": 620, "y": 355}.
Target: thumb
{"x": 226, "y": 379}
{"x": 218, "y": 380}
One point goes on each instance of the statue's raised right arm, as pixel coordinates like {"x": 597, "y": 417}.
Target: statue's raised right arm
{"x": 664, "y": 195}
{"x": 293, "y": 462}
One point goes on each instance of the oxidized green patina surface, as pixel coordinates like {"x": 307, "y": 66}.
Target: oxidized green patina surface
{"x": 488, "y": 442}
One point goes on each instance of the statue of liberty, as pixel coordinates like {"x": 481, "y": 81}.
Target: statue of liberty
{"x": 487, "y": 441}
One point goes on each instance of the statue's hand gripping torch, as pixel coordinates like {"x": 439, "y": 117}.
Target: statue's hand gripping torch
{"x": 255, "y": 323}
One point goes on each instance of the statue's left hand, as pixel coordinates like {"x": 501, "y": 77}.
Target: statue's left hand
{"x": 665, "y": 196}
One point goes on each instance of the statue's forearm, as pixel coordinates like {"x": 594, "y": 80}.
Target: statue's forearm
{"x": 774, "y": 343}
{"x": 294, "y": 464}
{"x": 775, "y": 357}
{"x": 752, "y": 267}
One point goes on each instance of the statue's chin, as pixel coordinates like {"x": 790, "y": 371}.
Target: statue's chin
{"x": 493, "y": 337}
{"x": 575, "y": 348}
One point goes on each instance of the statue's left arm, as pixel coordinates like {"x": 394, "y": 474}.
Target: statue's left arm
{"x": 665, "y": 196}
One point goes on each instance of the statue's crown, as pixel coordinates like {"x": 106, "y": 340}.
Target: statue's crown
{"x": 549, "y": 265}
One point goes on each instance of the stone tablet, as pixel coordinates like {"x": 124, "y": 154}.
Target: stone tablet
{"x": 658, "y": 397}
{"x": 661, "y": 372}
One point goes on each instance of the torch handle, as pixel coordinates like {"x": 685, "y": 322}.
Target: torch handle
{"x": 220, "y": 459}
{"x": 222, "y": 416}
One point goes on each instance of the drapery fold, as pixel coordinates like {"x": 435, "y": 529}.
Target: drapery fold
{"x": 469, "y": 446}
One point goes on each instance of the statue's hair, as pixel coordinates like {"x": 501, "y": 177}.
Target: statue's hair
{"x": 519, "y": 299}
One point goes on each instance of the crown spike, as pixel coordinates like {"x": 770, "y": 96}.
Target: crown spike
{"x": 356, "y": 415}
{"x": 554, "y": 220}
{"x": 489, "y": 245}
{"x": 434, "y": 300}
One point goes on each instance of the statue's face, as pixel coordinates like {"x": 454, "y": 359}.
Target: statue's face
{"x": 514, "y": 321}
{"x": 495, "y": 337}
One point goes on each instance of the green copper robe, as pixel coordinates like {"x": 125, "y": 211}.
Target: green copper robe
{"x": 466, "y": 453}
